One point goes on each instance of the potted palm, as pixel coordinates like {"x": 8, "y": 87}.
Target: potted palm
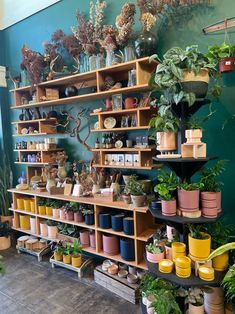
{"x": 165, "y": 124}
{"x": 199, "y": 243}
{"x": 154, "y": 253}
{"x": 165, "y": 189}
{"x": 195, "y": 299}
{"x": 188, "y": 196}
{"x": 210, "y": 191}
{"x": 5, "y": 239}
{"x": 224, "y": 55}
{"x": 88, "y": 213}
{"x": 52, "y": 229}
{"x": 5, "y": 184}
{"x": 76, "y": 253}
{"x": 136, "y": 190}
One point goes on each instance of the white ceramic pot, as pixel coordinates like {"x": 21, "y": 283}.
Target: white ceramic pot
{"x": 52, "y": 232}
{"x": 56, "y": 213}
{"x": 62, "y": 214}
{"x": 43, "y": 229}
{"x": 33, "y": 227}
{"x": 144, "y": 300}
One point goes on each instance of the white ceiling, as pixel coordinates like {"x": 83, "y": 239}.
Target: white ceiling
{"x": 13, "y": 11}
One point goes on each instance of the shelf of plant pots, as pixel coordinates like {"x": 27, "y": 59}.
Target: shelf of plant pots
{"x": 192, "y": 281}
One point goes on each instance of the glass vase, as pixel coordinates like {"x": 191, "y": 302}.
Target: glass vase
{"x": 84, "y": 63}
{"x": 25, "y": 81}
{"x": 100, "y": 61}
{"x": 92, "y": 62}
{"x": 129, "y": 53}
{"x": 110, "y": 58}
{"x": 146, "y": 44}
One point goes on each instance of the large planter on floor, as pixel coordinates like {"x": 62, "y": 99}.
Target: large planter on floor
{"x": 52, "y": 232}
{"x": 196, "y": 83}
{"x": 188, "y": 200}
{"x": 127, "y": 249}
{"x": 138, "y": 200}
{"x": 128, "y": 225}
{"x": 33, "y": 225}
{"x": 92, "y": 240}
{"x": 89, "y": 219}
{"x": 199, "y": 249}
{"x": 110, "y": 244}
{"x": 84, "y": 237}
{"x": 24, "y": 222}
{"x": 193, "y": 309}
{"x": 104, "y": 220}
{"x": 78, "y": 217}
{"x": 77, "y": 260}
{"x": 43, "y": 229}
{"x": 117, "y": 222}
{"x": 5, "y": 243}
{"x": 169, "y": 208}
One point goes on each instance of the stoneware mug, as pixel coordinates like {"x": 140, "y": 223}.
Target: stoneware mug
{"x": 130, "y": 102}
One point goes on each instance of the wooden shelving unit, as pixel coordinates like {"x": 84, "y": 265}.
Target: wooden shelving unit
{"x": 46, "y": 156}
{"x": 43, "y": 127}
{"x": 144, "y": 224}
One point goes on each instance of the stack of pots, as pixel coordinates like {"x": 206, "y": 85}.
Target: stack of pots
{"x": 178, "y": 250}
{"x": 24, "y": 222}
{"x": 183, "y": 267}
{"x": 110, "y": 244}
{"x": 214, "y": 301}
{"x": 128, "y": 225}
{"x": 211, "y": 204}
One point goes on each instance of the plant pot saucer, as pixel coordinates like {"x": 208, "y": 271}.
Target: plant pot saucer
{"x": 168, "y": 155}
{"x": 169, "y": 215}
{"x": 181, "y": 276}
{"x": 212, "y": 217}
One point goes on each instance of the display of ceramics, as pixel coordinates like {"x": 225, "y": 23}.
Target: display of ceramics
{"x": 110, "y": 122}
{"x": 24, "y": 131}
{"x": 119, "y": 144}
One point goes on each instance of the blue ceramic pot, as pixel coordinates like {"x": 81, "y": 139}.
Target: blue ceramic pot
{"x": 89, "y": 219}
{"x": 128, "y": 225}
{"x": 117, "y": 222}
{"x": 104, "y": 220}
{"x": 127, "y": 249}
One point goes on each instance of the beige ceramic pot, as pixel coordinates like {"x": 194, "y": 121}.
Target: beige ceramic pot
{"x": 193, "y": 309}
{"x": 193, "y": 136}
{"x": 166, "y": 141}
{"x": 138, "y": 201}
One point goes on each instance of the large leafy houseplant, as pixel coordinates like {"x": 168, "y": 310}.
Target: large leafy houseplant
{"x": 168, "y": 184}
{"x": 169, "y": 73}
{"x": 5, "y": 184}
{"x": 164, "y": 120}
{"x": 134, "y": 187}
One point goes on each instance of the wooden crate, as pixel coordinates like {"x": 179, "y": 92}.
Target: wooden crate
{"x": 119, "y": 286}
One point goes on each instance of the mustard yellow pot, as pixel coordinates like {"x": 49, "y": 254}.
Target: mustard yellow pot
{"x": 76, "y": 260}
{"x": 58, "y": 257}
{"x": 183, "y": 262}
{"x": 178, "y": 247}
{"x": 42, "y": 210}
{"x": 166, "y": 266}
{"x": 49, "y": 211}
{"x": 20, "y": 203}
{"x": 220, "y": 263}
{"x": 183, "y": 272}
{"x": 27, "y": 206}
{"x": 32, "y": 206}
{"x": 199, "y": 249}
{"x": 67, "y": 259}
{"x": 24, "y": 222}
{"x": 206, "y": 273}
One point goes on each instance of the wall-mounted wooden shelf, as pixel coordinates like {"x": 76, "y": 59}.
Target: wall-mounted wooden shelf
{"x": 34, "y": 121}
{"x": 125, "y": 149}
{"x": 38, "y": 150}
{"x": 34, "y": 163}
{"x": 45, "y": 155}
{"x": 128, "y": 167}
{"x": 120, "y": 112}
{"x": 128, "y": 129}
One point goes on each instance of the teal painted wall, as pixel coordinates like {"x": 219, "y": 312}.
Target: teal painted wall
{"x": 38, "y": 28}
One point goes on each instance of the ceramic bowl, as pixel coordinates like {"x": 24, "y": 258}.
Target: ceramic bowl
{"x": 122, "y": 273}
{"x": 122, "y": 266}
{"x": 132, "y": 278}
{"x": 113, "y": 269}
{"x": 106, "y": 264}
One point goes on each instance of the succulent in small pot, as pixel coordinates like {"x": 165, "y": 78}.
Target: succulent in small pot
{"x": 224, "y": 55}
{"x": 52, "y": 229}
{"x": 154, "y": 253}
{"x": 88, "y": 213}
{"x": 58, "y": 252}
{"x": 76, "y": 253}
{"x": 188, "y": 196}
{"x": 199, "y": 243}
{"x": 195, "y": 299}
{"x": 136, "y": 190}
{"x": 67, "y": 253}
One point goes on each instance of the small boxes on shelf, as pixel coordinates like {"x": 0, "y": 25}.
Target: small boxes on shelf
{"x": 52, "y": 94}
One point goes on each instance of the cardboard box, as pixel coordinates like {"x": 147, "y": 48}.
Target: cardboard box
{"x": 129, "y": 160}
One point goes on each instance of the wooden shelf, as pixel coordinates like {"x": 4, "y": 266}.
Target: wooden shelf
{"x": 39, "y": 150}
{"x": 136, "y": 128}
{"x": 124, "y": 149}
{"x": 146, "y": 235}
{"x": 118, "y": 112}
{"x": 34, "y": 163}
{"x": 128, "y": 167}
{"x": 36, "y": 134}
{"x": 120, "y": 233}
{"x": 34, "y": 121}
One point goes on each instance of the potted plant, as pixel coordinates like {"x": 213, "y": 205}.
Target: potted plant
{"x": 193, "y": 132}
{"x": 199, "y": 243}
{"x": 136, "y": 190}
{"x": 58, "y": 252}
{"x": 42, "y": 207}
{"x": 67, "y": 253}
{"x": 210, "y": 191}
{"x": 76, "y": 253}
{"x": 154, "y": 253}
{"x": 56, "y": 209}
{"x": 78, "y": 217}
{"x": 166, "y": 187}
{"x": 5, "y": 239}
{"x": 69, "y": 213}
{"x": 165, "y": 124}
{"x": 146, "y": 284}
{"x": 52, "y": 229}
{"x": 195, "y": 299}
{"x": 5, "y": 184}
{"x": 49, "y": 204}
{"x": 220, "y": 233}
{"x": 88, "y": 213}
{"x": 188, "y": 196}
{"x": 229, "y": 286}
{"x": 224, "y": 55}
{"x": 182, "y": 75}
{"x": 165, "y": 302}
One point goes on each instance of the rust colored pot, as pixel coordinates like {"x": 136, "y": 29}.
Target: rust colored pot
{"x": 188, "y": 200}
{"x": 110, "y": 244}
{"x": 78, "y": 217}
{"x": 209, "y": 204}
{"x": 169, "y": 208}
{"x": 69, "y": 216}
{"x": 227, "y": 64}
{"x": 218, "y": 198}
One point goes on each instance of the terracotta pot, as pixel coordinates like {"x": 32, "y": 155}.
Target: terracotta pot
{"x": 48, "y": 210}
{"x": 84, "y": 237}
{"x": 227, "y": 64}
{"x": 193, "y": 136}
{"x": 209, "y": 212}
{"x": 188, "y": 200}
{"x": 214, "y": 308}
{"x": 215, "y": 296}
{"x": 154, "y": 258}
{"x": 220, "y": 263}
{"x": 33, "y": 226}
{"x": 24, "y": 222}
{"x": 5, "y": 243}
{"x": 77, "y": 260}
{"x": 110, "y": 244}
{"x": 169, "y": 208}
{"x": 199, "y": 249}
{"x": 42, "y": 210}
{"x": 58, "y": 257}
{"x": 218, "y": 198}
{"x": 69, "y": 216}
{"x": 193, "y": 309}
{"x": 56, "y": 213}
{"x": 92, "y": 240}
{"x": 166, "y": 141}
{"x": 43, "y": 229}
{"x": 138, "y": 201}
{"x": 168, "y": 251}
{"x": 78, "y": 217}
{"x": 209, "y": 204}
{"x": 67, "y": 259}
{"x": 62, "y": 214}
{"x": 52, "y": 232}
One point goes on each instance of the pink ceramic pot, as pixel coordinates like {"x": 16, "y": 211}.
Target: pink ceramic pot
{"x": 92, "y": 240}
{"x": 218, "y": 198}
{"x": 168, "y": 251}
{"x": 62, "y": 214}
{"x": 110, "y": 244}
{"x": 155, "y": 258}
{"x": 169, "y": 208}
{"x": 43, "y": 229}
{"x": 52, "y": 232}
{"x": 69, "y": 216}
{"x": 78, "y": 217}
{"x": 209, "y": 212}
{"x": 56, "y": 213}
{"x": 84, "y": 237}
{"x": 188, "y": 200}
{"x": 33, "y": 227}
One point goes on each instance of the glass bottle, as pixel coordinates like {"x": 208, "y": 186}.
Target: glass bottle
{"x": 129, "y": 53}
{"x": 97, "y": 143}
{"x": 92, "y": 62}
{"x": 110, "y": 57}
{"x": 100, "y": 61}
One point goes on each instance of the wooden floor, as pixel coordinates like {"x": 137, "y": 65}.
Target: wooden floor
{"x": 31, "y": 287}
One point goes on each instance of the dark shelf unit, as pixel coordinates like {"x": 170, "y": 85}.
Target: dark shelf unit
{"x": 192, "y": 281}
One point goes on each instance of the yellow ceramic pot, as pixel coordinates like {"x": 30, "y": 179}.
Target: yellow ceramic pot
{"x": 178, "y": 247}
{"x": 206, "y": 273}
{"x": 76, "y": 260}
{"x": 183, "y": 272}
{"x": 220, "y": 263}
{"x": 49, "y": 211}
{"x": 199, "y": 249}
{"x": 166, "y": 266}
{"x": 32, "y": 206}
{"x": 20, "y": 203}
{"x": 183, "y": 262}
{"x": 24, "y": 222}
{"x": 176, "y": 255}
{"x": 42, "y": 210}
{"x": 27, "y": 206}
{"x": 67, "y": 259}
{"x": 58, "y": 257}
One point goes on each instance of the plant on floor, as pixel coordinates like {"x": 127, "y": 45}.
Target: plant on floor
{"x": 5, "y": 184}
{"x": 191, "y": 186}
{"x": 165, "y": 302}
{"x": 168, "y": 184}
{"x": 152, "y": 248}
{"x": 209, "y": 177}
{"x": 170, "y": 73}
{"x": 197, "y": 232}
{"x": 134, "y": 187}
{"x": 164, "y": 120}
{"x": 5, "y": 229}
{"x": 146, "y": 283}
{"x": 195, "y": 296}
{"x": 228, "y": 284}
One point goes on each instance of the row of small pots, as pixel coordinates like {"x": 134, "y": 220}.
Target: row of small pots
{"x": 118, "y": 222}
{"x": 87, "y": 238}
{"x": 27, "y": 204}
{"x": 75, "y": 260}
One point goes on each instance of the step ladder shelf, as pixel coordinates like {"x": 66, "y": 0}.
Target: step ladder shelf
{"x": 38, "y": 254}
{"x": 192, "y": 281}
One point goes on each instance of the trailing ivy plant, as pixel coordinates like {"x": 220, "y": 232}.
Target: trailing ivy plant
{"x": 164, "y": 120}
{"x": 216, "y": 52}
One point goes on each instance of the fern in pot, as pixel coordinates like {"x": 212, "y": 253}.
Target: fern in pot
{"x": 136, "y": 190}
{"x": 165, "y": 124}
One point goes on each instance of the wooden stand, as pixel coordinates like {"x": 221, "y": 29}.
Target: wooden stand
{"x": 38, "y": 254}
